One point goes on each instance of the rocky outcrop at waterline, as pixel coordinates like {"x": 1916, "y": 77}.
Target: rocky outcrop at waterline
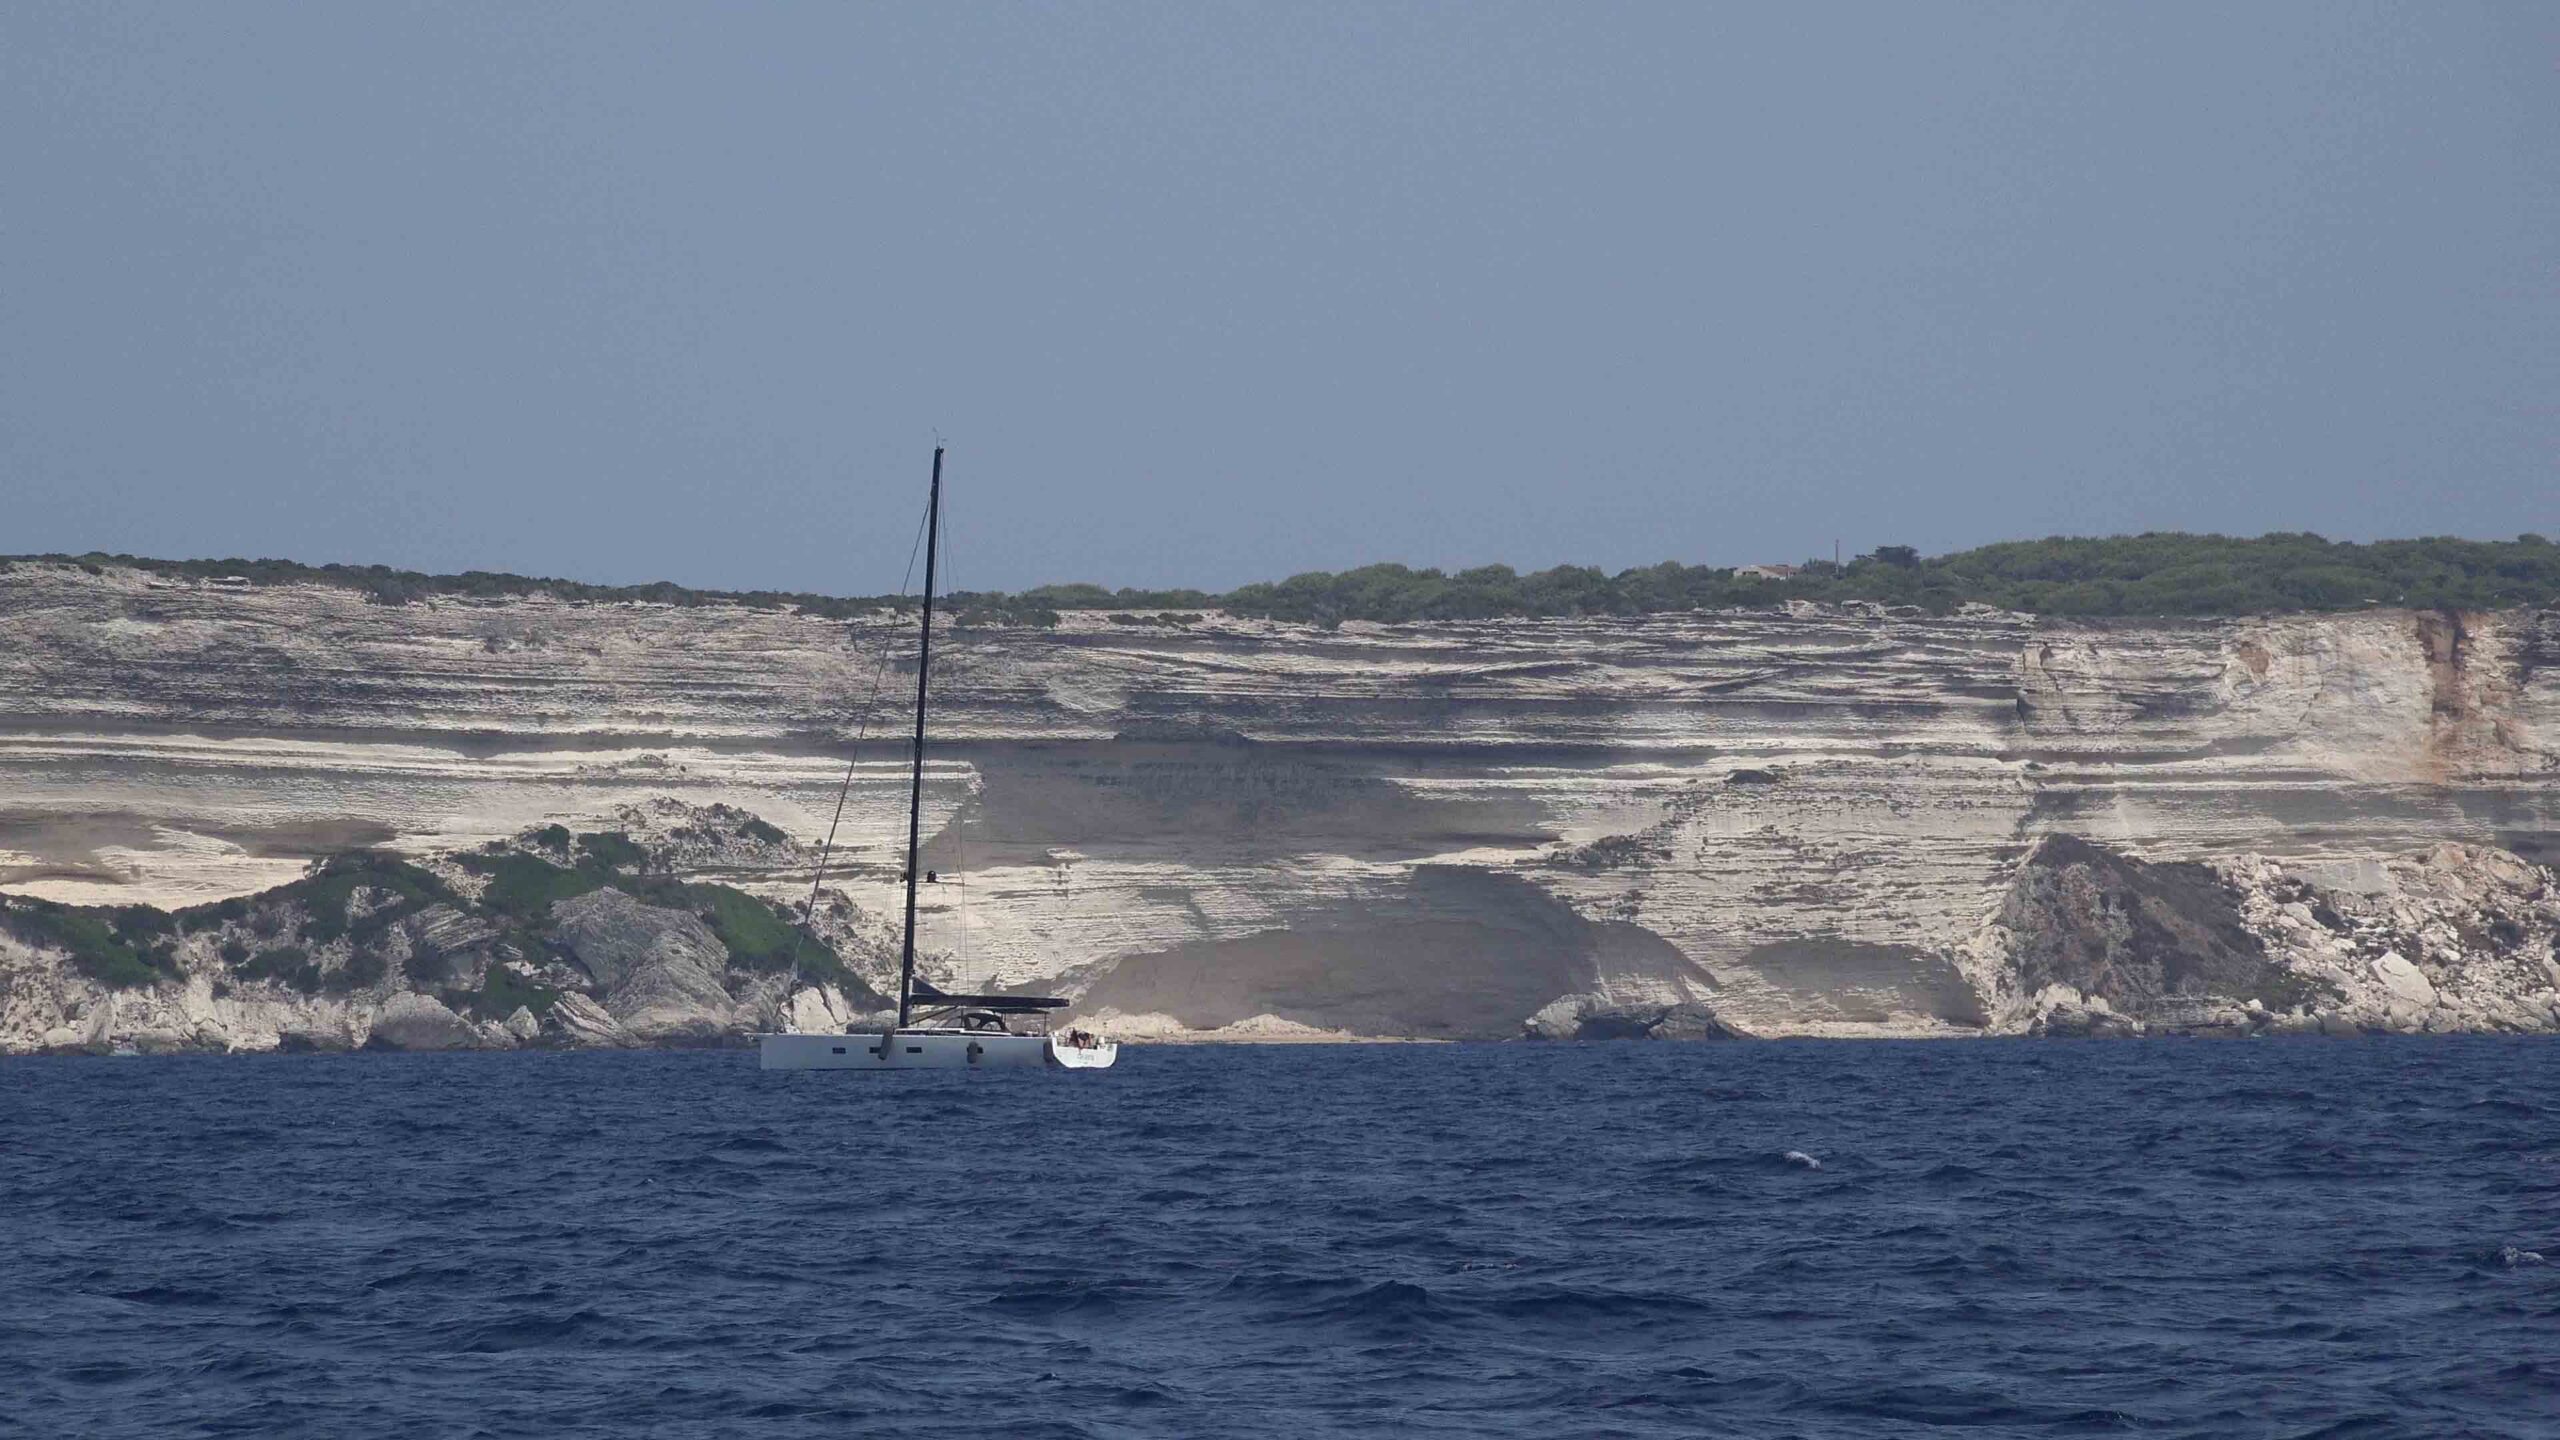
{"x": 548, "y": 938}
{"x": 1807, "y": 822}
{"x": 2455, "y": 939}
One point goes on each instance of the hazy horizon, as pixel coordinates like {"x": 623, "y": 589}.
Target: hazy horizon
{"x": 1209, "y": 295}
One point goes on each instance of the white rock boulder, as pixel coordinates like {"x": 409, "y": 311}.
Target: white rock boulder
{"x": 661, "y": 970}
{"x": 421, "y": 1022}
{"x": 2404, "y": 980}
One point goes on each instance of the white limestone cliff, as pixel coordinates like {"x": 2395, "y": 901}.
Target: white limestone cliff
{"x": 1803, "y": 822}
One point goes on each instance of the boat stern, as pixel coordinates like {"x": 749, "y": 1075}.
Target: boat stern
{"x": 1079, "y": 1051}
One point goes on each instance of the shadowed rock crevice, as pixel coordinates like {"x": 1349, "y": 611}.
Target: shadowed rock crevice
{"x": 1462, "y": 954}
{"x": 2135, "y": 933}
{"x": 1854, "y": 981}
{"x": 1687, "y": 1020}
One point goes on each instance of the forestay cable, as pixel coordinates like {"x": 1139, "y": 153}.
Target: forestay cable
{"x": 862, "y": 730}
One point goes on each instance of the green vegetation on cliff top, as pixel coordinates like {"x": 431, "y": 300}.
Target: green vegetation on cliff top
{"x": 2129, "y": 575}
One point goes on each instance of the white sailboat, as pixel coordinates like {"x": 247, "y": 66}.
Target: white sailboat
{"x": 936, "y": 1030}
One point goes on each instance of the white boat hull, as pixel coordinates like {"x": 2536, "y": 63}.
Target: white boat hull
{"x": 928, "y": 1050}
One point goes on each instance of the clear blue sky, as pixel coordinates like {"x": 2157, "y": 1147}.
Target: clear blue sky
{"x": 1207, "y": 293}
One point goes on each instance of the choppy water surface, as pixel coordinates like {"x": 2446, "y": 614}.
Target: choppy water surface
{"x": 2028, "y": 1238}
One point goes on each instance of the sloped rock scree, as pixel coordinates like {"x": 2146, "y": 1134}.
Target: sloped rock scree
{"x": 2139, "y": 936}
{"x": 2452, "y": 939}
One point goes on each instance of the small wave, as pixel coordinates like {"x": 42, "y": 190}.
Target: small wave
{"x": 1060, "y": 1297}
{"x": 1390, "y": 1304}
{"x": 424, "y": 1275}
{"x": 524, "y": 1332}
{"x": 1284, "y": 1285}
{"x": 2271, "y": 1095}
{"x": 1946, "y": 1405}
{"x": 101, "y": 1372}
{"x": 2503, "y": 1106}
{"x": 1592, "y": 1303}
{"x": 172, "y": 1295}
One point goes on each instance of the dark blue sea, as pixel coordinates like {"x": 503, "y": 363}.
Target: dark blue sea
{"x": 2331, "y": 1238}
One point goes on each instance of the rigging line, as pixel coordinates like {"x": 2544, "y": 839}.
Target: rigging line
{"x": 960, "y": 813}
{"x": 862, "y": 729}
{"x": 957, "y": 823}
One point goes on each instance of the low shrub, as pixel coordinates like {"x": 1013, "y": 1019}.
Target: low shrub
{"x": 524, "y": 887}
{"x": 614, "y": 849}
{"x": 125, "y": 948}
{"x": 364, "y": 968}
{"x": 289, "y": 965}
{"x": 427, "y": 967}
{"x": 503, "y": 991}
{"x": 758, "y": 939}
{"x": 326, "y": 891}
{"x": 759, "y": 935}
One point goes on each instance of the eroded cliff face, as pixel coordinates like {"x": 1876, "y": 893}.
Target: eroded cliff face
{"x": 1800, "y": 823}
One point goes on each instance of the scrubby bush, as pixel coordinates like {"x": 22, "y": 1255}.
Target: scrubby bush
{"x": 503, "y": 991}
{"x": 758, "y": 939}
{"x": 759, "y": 935}
{"x": 125, "y": 947}
{"x": 613, "y": 848}
{"x": 424, "y": 969}
{"x": 524, "y": 887}
{"x": 364, "y": 968}
{"x": 327, "y": 891}
{"x": 286, "y": 965}
{"x": 2149, "y": 574}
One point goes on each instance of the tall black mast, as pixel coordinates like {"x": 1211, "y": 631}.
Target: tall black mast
{"x": 915, "y": 795}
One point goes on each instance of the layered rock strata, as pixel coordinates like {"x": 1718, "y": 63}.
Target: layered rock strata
{"x": 1806, "y": 823}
